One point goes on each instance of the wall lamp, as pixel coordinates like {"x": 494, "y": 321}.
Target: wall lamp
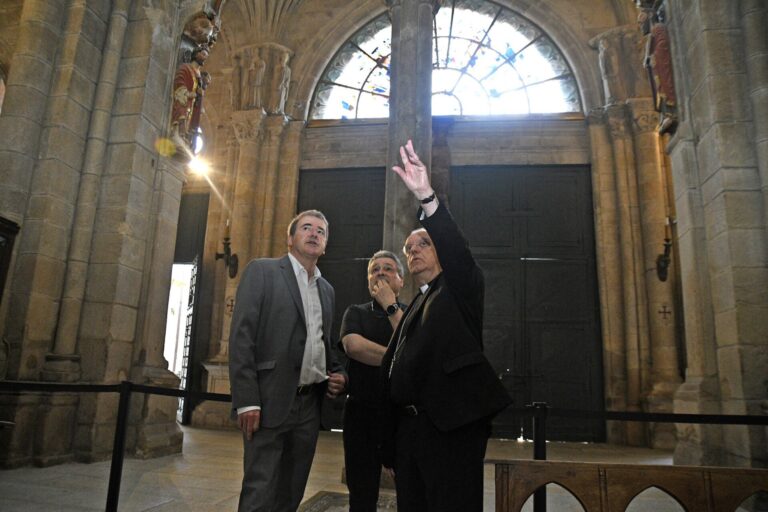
{"x": 663, "y": 261}
{"x": 230, "y": 260}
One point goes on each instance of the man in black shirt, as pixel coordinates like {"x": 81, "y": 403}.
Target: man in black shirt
{"x": 365, "y": 333}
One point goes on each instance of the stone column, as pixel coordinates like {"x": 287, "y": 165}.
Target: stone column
{"x": 652, "y": 194}
{"x": 248, "y": 126}
{"x": 157, "y": 432}
{"x": 266, "y": 187}
{"x": 62, "y": 363}
{"x": 754, "y": 18}
{"x": 634, "y": 321}
{"x": 26, "y": 93}
{"x": 287, "y": 186}
{"x": 410, "y": 108}
{"x": 609, "y": 271}
{"x": 699, "y": 393}
{"x": 28, "y": 87}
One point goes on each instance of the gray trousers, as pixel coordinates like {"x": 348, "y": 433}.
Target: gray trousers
{"x": 277, "y": 461}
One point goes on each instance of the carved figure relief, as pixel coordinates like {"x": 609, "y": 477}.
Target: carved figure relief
{"x": 188, "y": 90}
{"x": 256, "y": 79}
{"x": 658, "y": 62}
{"x": 279, "y": 84}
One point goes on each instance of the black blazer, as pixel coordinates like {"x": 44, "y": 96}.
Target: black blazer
{"x": 454, "y": 382}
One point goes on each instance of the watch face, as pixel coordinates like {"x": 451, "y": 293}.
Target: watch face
{"x": 391, "y": 309}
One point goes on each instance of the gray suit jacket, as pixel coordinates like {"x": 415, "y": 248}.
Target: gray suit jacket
{"x": 267, "y": 338}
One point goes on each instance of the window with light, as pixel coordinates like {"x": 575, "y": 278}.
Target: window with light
{"x": 487, "y": 60}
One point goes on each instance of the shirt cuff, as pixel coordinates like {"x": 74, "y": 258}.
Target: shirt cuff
{"x": 241, "y": 410}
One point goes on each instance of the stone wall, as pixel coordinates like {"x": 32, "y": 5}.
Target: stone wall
{"x": 87, "y": 100}
{"x": 719, "y": 166}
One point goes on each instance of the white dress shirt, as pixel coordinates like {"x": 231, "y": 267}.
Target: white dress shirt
{"x": 313, "y": 364}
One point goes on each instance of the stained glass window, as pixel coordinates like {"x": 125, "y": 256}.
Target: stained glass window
{"x": 488, "y": 60}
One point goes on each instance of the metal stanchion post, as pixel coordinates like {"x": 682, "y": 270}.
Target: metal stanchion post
{"x": 540, "y": 450}
{"x": 118, "y": 447}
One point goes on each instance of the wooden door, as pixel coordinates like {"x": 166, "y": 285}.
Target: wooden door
{"x": 531, "y": 230}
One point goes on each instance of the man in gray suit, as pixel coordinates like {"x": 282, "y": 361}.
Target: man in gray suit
{"x": 280, "y": 364}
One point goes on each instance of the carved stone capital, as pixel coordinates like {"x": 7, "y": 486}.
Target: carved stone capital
{"x": 275, "y": 125}
{"x": 617, "y": 121}
{"x": 247, "y": 125}
{"x": 597, "y": 116}
{"x": 644, "y": 118}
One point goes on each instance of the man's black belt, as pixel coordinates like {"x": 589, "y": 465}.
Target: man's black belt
{"x": 411, "y": 410}
{"x": 306, "y": 389}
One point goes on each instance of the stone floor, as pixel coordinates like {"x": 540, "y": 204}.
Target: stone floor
{"x": 206, "y": 477}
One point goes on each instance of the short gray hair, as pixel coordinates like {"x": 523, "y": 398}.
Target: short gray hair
{"x": 388, "y": 254}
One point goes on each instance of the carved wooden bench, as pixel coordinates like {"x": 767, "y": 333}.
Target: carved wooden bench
{"x": 611, "y": 487}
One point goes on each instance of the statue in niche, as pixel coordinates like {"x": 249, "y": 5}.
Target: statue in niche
{"x": 188, "y": 90}
{"x": 256, "y": 79}
{"x": 279, "y": 85}
{"x": 658, "y": 62}
{"x": 608, "y": 59}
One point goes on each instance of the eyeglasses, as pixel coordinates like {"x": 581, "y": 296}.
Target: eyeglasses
{"x": 421, "y": 244}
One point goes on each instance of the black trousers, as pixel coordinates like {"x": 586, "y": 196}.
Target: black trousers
{"x": 361, "y": 455}
{"x": 439, "y": 471}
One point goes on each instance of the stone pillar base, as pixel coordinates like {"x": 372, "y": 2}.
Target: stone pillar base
{"x": 216, "y": 415}
{"x": 56, "y": 429}
{"x": 210, "y": 414}
{"x": 17, "y": 440}
{"x": 698, "y": 445}
{"x": 157, "y": 432}
{"x": 662, "y": 435}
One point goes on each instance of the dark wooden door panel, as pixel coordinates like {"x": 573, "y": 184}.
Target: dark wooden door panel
{"x": 556, "y": 206}
{"x": 565, "y": 375}
{"x": 531, "y": 232}
{"x": 558, "y": 290}
{"x": 353, "y": 202}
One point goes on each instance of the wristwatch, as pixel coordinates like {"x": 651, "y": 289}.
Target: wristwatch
{"x": 428, "y": 199}
{"x": 392, "y": 309}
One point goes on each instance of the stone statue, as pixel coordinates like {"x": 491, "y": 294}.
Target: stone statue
{"x": 279, "y": 84}
{"x": 256, "y": 79}
{"x": 608, "y": 59}
{"x": 187, "y": 85}
{"x": 658, "y": 62}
